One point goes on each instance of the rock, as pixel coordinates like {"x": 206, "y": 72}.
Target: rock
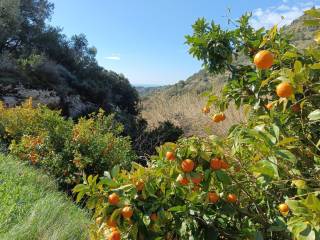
{"x": 77, "y": 107}
{"x": 73, "y": 104}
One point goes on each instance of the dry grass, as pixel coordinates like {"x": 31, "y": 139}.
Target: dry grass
{"x": 185, "y": 111}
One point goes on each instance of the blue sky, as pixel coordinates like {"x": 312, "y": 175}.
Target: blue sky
{"x": 144, "y": 39}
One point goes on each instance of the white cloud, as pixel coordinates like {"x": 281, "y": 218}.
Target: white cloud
{"x": 282, "y": 14}
{"x": 114, "y": 57}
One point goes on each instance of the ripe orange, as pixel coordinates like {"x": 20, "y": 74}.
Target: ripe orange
{"x": 218, "y": 117}
{"x": 170, "y": 156}
{"x": 284, "y": 90}
{"x": 197, "y": 180}
{"x": 187, "y": 165}
{"x": 184, "y": 181}
{"x": 263, "y": 59}
{"x": 127, "y": 212}
{"x": 224, "y": 165}
{"x": 111, "y": 223}
{"x": 113, "y": 199}
{"x": 269, "y": 106}
{"x": 232, "y": 198}
{"x": 283, "y": 207}
{"x": 213, "y": 197}
{"x": 154, "y": 217}
{"x": 115, "y": 235}
{"x": 296, "y": 107}
{"x": 139, "y": 185}
{"x": 215, "y": 164}
{"x": 205, "y": 110}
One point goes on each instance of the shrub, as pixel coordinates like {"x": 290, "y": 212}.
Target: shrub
{"x": 259, "y": 182}
{"x": 63, "y": 148}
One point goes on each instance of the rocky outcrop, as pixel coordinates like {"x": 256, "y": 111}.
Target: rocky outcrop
{"x": 14, "y": 95}
{"x": 76, "y": 107}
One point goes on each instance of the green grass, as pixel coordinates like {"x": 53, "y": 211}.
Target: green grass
{"x": 32, "y": 208}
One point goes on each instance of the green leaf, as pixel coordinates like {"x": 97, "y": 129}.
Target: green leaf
{"x": 91, "y": 203}
{"x": 146, "y": 220}
{"x": 266, "y": 168}
{"x": 285, "y": 141}
{"x": 297, "y": 207}
{"x": 315, "y": 66}
{"x": 115, "y": 214}
{"x": 80, "y": 196}
{"x": 223, "y": 177}
{"x": 178, "y": 209}
{"x": 315, "y": 115}
{"x": 109, "y": 182}
{"x": 286, "y": 155}
{"x": 300, "y": 184}
{"x": 289, "y": 55}
{"x": 297, "y": 66}
{"x": 115, "y": 171}
{"x": 79, "y": 188}
{"x": 312, "y": 202}
{"x": 276, "y": 131}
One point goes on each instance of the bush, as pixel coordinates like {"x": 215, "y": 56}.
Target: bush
{"x": 63, "y": 148}
{"x": 259, "y": 182}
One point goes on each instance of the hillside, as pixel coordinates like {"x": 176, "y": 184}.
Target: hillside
{"x": 165, "y": 103}
{"x": 32, "y": 208}
{"x": 38, "y": 60}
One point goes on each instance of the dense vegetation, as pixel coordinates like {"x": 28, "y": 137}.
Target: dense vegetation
{"x": 63, "y": 72}
{"x": 63, "y": 148}
{"x": 259, "y": 182}
{"x": 32, "y": 208}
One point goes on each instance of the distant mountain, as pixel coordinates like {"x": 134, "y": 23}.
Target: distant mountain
{"x": 146, "y": 90}
{"x": 201, "y": 81}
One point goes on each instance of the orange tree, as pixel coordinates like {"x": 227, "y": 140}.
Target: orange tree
{"x": 259, "y": 182}
{"x": 61, "y": 147}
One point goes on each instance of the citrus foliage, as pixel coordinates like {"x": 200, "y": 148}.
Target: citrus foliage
{"x": 259, "y": 182}
{"x": 63, "y": 148}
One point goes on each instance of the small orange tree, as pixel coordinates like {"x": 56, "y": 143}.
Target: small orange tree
{"x": 61, "y": 147}
{"x": 259, "y": 182}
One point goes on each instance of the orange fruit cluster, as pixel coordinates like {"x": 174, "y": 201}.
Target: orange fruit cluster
{"x": 217, "y": 164}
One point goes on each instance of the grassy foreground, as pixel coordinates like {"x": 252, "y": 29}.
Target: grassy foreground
{"x": 32, "y": 208}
